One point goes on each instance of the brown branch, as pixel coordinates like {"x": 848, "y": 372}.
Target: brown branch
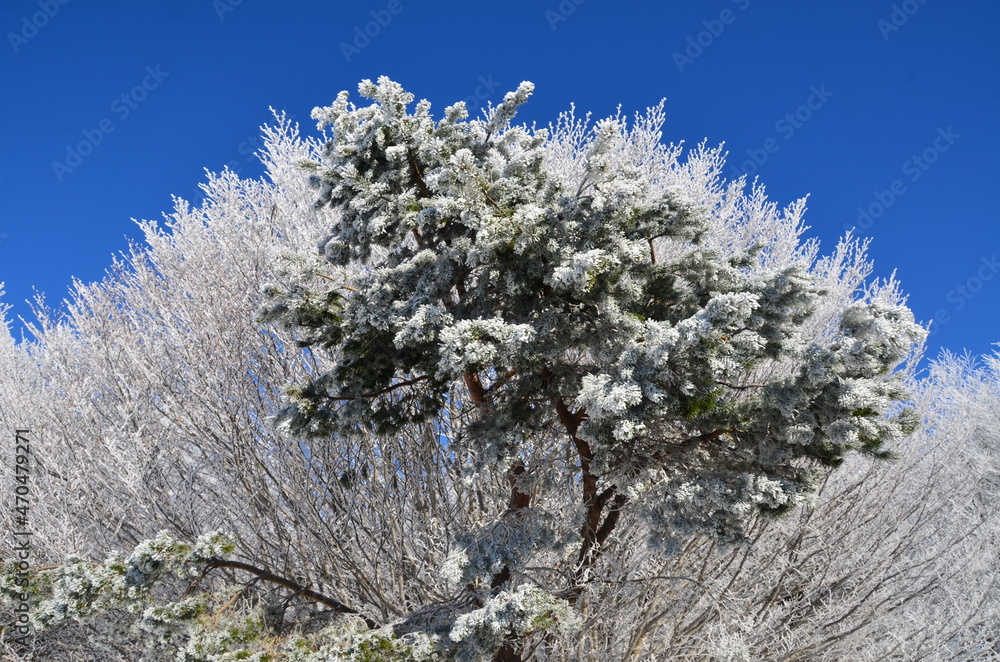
{"x": 331, "y": 278}
{"x": 596, "y": 526}
{"x": 496, "y": 206}
{"x": 417, "y": 177}
{"x": 516, "y": 504}
{"x": 267, "y": 576}
{"x": 652, "y": 300}
{"x": 691, "y": 442}
{"x": 593, "y": 532}
{"x": 737, "y": 387}
{"x": 475, "y": 386}
{"x": 518, "y": 500}
{"x": 612, "y": 519}
{"x": 382, "y": 391}
{"x": 501, "y": 381}
{"x": 570, "y": 420}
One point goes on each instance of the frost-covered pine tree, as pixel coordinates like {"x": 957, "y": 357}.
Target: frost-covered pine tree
{"x": 547, "y": 390}
{"x": 599, "y": 345}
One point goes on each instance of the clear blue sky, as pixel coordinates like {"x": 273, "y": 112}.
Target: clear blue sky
{"x": 888, "y": 107}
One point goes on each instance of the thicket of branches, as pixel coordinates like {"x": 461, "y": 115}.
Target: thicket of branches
{"x": 151, "y": 400}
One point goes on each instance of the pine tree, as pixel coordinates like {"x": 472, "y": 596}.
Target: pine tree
{"x": 595, "y": 342}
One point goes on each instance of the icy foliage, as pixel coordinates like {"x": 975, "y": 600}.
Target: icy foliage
{"x": 525, "y": 609}
{"x": 538, "y": 393}
{"x": 601, "y": 292}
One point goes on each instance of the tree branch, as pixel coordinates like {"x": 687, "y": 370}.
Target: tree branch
{"x": 518, "y": 502}
{"x": 382, "y": 391}
{"x": 416, "y": 175}
{"x": 267, "y": 576}
{"x": 475, "y": 386}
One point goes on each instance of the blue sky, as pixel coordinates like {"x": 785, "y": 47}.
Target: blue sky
{"x": 883, "y": 112}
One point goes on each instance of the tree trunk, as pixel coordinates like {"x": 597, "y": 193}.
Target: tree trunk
{"x": 507, "y": 653}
